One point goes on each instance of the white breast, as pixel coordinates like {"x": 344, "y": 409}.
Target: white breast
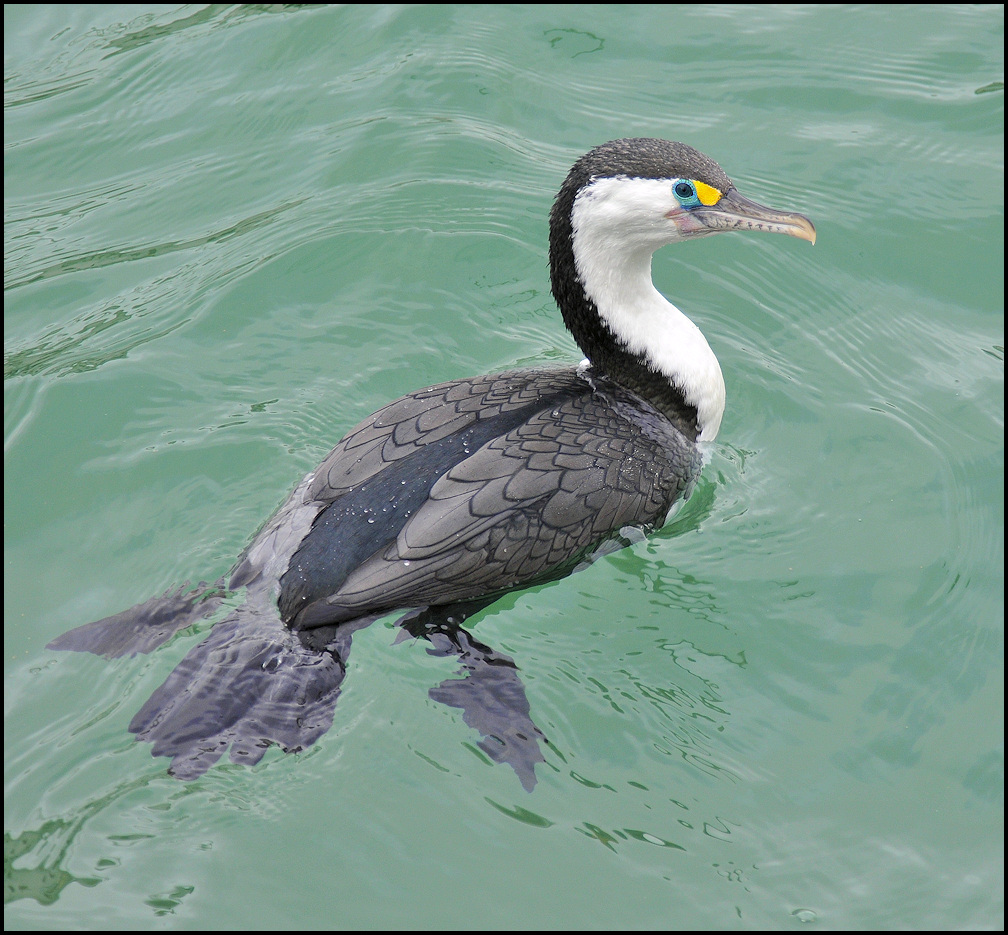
{"x": 618, "y": 224}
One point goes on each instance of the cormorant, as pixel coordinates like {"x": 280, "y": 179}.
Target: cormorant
{"x": 454, "y": 494}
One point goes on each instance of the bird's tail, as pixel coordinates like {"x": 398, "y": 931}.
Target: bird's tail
{"x": 250, "y": 684}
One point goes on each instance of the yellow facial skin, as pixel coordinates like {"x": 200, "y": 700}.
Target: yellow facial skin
{"x": 707, "y": 194}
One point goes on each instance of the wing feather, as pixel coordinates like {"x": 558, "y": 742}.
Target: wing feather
{"x": 526, "y": 505}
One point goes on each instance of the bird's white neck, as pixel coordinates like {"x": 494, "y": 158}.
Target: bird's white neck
{"x": 612, "y": 254}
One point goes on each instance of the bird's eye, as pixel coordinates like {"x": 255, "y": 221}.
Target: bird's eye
{"x": 686, "y": 193}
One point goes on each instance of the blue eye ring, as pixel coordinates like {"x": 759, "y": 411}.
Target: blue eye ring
{"x": 685, "y": 193}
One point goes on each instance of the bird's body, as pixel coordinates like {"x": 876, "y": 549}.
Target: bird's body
{"x": 456, "y": 493}
{"x": 475, "y": 487}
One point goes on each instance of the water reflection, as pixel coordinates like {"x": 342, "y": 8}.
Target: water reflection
{"x": 40, "y": 877}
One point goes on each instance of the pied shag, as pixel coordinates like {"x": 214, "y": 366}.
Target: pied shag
{"x": 454, "y": 494}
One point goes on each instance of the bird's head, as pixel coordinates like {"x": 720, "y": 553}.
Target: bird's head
{"x": 634, "y": 194}
{"x": 620, "y": 202}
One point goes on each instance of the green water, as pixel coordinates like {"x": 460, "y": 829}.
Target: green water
{"x": 232, "y": 232}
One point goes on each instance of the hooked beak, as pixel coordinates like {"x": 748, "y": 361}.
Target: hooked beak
{"x": 735, "y": 212}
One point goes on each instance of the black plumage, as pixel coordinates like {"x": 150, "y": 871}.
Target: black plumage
{"x": 475, "y": 487}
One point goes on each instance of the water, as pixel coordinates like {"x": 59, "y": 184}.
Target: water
{"x": 230, "y": 233}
